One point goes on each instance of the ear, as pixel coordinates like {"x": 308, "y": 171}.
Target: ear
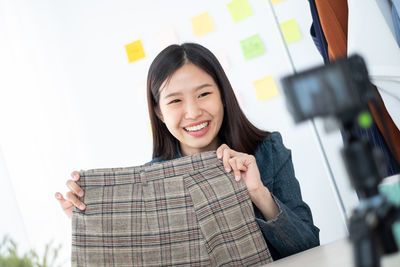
{"x": 158, "y": 113}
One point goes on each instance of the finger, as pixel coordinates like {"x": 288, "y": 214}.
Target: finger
{"x": 75, "y": 201}
{"x": 220, "y": 150}
{"x": 59, "y": 197}
{"x": 74, "y": 187}
{"x": 75, "y": 176}
{"x": 65, "y": 204}
{"x": 240, "y": 165}
{"x": 235, "y": 169}
{"x": 225, "y": 160}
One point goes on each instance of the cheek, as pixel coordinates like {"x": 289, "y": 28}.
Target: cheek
{"x": 171, "y": 117}
{"x": 217, "y": 109}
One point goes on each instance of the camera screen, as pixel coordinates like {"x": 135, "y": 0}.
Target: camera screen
{"x": 321, "y": 93}
{"x": 335, "y": 89}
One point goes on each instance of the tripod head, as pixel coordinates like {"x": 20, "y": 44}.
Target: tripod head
{"x": 342, "y": 90}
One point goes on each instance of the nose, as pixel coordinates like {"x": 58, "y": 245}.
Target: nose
{"x": 192, "y": 110}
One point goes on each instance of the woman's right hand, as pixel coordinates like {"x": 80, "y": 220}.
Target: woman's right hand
{"x": 70, "y": 201}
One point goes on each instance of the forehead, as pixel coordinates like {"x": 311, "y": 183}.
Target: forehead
{"x": 187, "y": 77}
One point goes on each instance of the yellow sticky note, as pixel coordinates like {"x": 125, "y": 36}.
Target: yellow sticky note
{"x": 274, "y": 2}
{"x": 239, "y": 9}
{"x": 265, "y": 88}
{"x": 135, "y": 51}
{"x": 290, "y": 31}
{"x": 151, "y": 129}
{"x": 202, "y": 24}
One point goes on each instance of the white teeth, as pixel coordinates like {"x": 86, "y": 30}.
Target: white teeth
{"x": 197, "y": 127}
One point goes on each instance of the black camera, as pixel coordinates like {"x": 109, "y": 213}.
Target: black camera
{"x": 337, "y": 89}
{"x": 343, "y": 90}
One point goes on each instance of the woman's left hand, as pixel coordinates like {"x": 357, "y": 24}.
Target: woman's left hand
{"x": 243, "y": 166}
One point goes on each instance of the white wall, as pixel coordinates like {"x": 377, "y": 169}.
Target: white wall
{"x": 69, "y": 99}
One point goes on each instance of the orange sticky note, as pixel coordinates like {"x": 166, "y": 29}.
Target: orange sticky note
{"x": 202, "y": 24}
{"x": 265, "y": 88}
{"x": 135, "y": 51}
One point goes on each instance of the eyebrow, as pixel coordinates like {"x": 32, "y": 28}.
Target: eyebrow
{"x": 196, "y": 89}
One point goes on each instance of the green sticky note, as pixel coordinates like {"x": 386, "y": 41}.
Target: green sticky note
{"x": 290, "y": 31}
{"x": 239, "y": 9}
{"x": 252, "y": 47}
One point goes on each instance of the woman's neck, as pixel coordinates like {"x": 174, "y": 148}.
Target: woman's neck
{"x": 187, "y": 151}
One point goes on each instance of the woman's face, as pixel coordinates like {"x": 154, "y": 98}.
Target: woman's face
{"x": 191, "y": 108}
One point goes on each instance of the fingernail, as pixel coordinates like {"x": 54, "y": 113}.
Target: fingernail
{"x": 237, "y": 178}
{"x": 80, "y": 193}
{"x": 58, "y": 195}
{"x": 82, "y": 207}
{"x": 75, "y": 177}
{"x": 219, "y": 155}
{"x": 227, "y": 169}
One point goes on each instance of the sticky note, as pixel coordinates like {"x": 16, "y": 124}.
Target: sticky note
{"x": 274, "y": 2}
{"x": 202, "y": 24}
{"x": 290, "y": 31}
{"x": 151, "y": 129}
{"x": 135, "y": 51}
{"x": 265, "y": 88}
{"x": 239, "y": 9}
{"x": 252, "y": 47}
{"x": 166, "y": 37}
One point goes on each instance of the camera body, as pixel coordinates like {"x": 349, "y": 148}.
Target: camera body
{"x": 338, "y": 89}
{"x": 343, "y": 90}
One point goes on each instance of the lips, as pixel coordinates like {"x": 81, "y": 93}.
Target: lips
{"x": 198, "y": 129}
{"x": 196, "y": 126}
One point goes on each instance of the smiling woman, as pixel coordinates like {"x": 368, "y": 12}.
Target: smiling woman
{"x": 193, "y": 73}
{"x": 193, "y": 109}
{"x": 70, "y": 99}
{"x": 190, "y": 106}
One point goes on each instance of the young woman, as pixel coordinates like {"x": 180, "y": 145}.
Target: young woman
{"x": 193, "y": 109}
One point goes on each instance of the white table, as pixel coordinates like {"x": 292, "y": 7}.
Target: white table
{"x": 338, "y": 253}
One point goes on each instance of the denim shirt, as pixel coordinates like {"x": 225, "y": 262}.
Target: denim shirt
{"x": 292, "y": 230}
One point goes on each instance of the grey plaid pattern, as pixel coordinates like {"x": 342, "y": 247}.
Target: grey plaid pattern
{"x": 183, "y": 212}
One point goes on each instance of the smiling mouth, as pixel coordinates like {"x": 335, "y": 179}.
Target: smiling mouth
{"x": 197, "y": 127}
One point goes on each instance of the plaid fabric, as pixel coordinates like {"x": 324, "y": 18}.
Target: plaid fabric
{"x": 183, "y": 212}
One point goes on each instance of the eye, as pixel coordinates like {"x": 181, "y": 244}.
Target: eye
{"x": 204, "y": 94}
{"x": 174, "y": 101}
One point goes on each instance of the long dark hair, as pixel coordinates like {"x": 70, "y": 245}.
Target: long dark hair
{"x": 236, "y": 130}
